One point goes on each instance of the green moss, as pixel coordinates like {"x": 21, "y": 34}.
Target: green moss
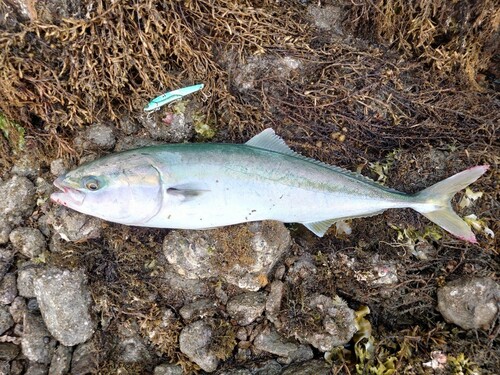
{"x": 13, "y": 132}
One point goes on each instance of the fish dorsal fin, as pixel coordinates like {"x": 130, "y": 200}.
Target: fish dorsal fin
{"x": 319, "y": 228}
{"x": 268, "y": 140}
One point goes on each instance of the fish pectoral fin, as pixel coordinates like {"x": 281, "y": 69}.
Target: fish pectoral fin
{"x": 187, "y": 192}
{"x": 319, "y": 228}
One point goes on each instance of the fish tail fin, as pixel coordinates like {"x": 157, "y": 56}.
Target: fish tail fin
{"x": 439, "y": 195}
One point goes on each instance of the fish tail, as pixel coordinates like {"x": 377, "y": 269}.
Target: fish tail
{"x": 438, "y": 196}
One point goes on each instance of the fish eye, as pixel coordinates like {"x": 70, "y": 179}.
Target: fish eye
{"x": 91, "y": 183}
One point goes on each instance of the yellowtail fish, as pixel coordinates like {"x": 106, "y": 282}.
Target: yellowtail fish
{"x": 200, "y": 186}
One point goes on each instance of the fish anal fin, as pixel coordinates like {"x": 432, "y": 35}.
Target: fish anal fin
{"x": 319, "y": 228}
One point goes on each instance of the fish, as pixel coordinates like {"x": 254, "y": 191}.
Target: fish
{"x": 208, "y": 185}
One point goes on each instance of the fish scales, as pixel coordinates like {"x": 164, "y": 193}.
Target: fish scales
{"x": 198, "y": 186}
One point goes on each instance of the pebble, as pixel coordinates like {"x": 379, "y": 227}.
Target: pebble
{"x": 17, "y": 200}
{"x": 6, "y": 321}
{"x": 201, "y": 308}
{"x": 36, "y": 343}
{"x": 194, "y": 342}
{"x": 65, "y": 302}
{"x": 61, "y": 361}
{"x": 17, "y": 309}
{"x": 83, "y": 361}
{"x": 8, "y": 289}
{"x": 314, "y": 367}
{"x": 73, "y": 226}
{"x": 289, "y": 351}
{"x": 470, "y": 303}
{"x": 273, "y": 302}
{"x": 25, "y": 275}
{"x": 28, "y": 241}
{"x": 168, "y": 369}
{"x": 8, "y": 351}
{"x": 245, "y": 308}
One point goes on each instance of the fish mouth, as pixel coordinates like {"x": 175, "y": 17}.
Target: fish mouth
{"x": 67, "y": 196}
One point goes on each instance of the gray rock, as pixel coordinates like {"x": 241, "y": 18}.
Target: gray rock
{"x": 235, "y": 371}
{"x": 17, "y": 199}
{"x": 470, "y": 303}
{"x": 314, "y": 367}
{"x": 6, "y": 321}
{"x": 26, "y": 165}
{"x": 168, "y": 369}
{"x": 6, "y": 260}
{"x": 61, "y": 361}
{"x": 36, "y": 343}
{"x": 131, "y": 347}
{"x": 194, "y": 341}
{"x": 201, "y": 254}
{"x": 25, "y": 276}
{"x": 178, "y": 129}
{"x": 273, "y": 302}
{"x": 65, "y": 301}
{"x": 16, "y": 367}
{"x": 128, "y": 125}
{"x": 338, "y": 323}
{"x": 28, "y": 241}
{"x": 85, "y": 359}
{"x": 270, "y": 367}
{"x": 8, "y": 351}
{"x": 272, "y": 342}
{"x": 99, "y": 136}
{"x": 201, "y": 308}
{"x": 246, "y": 307}
{"x": 179, "y": 285}
{"x": 37, "y": 369}
{"x": 5, "y": 229}
{"x": 17, "y": 309}
{"x": 74, "y": 226}
{"x": 58, "y": 167}
{"x": 8, "y": 289}
{"x": 4, "y": 368}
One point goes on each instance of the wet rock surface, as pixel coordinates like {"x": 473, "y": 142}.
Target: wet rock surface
{"x": 470, "y": 303}
{"x": 64, "y": 302}
{"x": 260, "y": 245}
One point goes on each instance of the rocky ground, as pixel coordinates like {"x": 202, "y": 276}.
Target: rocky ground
{"x": 382, "y": 295}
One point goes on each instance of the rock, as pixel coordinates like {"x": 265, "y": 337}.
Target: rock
{"x": 61, "y": 361}
{"x": 58, "y": 167}
{"x": 128, "y": 125}
{"x": 26, "y": 273}
{"x": 243, "y": 255}
{"x": 36, "y": 343}
{"x": 28, "y": 241}
{"x": 168, "y": 369}
{"x": 6, "y": 260}
{"x": 327, "y": 18}
{"x": 85, "y": 359}
{"x": 8, "y": 289}
{"x": 201, "y": 308}
{"x": 26, "y": 166}
{"x": 194, "y": 341}
{"x": 273, "y": 302}
{"x": 8, "y": 351}
{"x": 5, "y": 229}
{"x": 4, "y": 368}
{"x": 314, "y": 367}
{"x": 270, "y": 367}
{"x": 235, "y": 371}
{"x": 470, "y": 303}
{"x": 16, "y": 367}
{"x": 246, "y": 307}
{"x": 338, "y": 323}
{"x": 17, "y": 199}
{"x": 6, "y": 321}
{"x": 97, "y": 137}
{"x": 17, "y": 309}
{"x": 65, "y": 302}
{"x": 74, "y": 226}
{"x": 37, "y": 369}
{"x": 272, "y": 342}
{"x": 174, "y": 284}
{"x": 178, "y": 129}
{"x": 131, "y": 348}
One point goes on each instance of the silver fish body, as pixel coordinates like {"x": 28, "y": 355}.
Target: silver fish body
{"x": 199, "y": 186}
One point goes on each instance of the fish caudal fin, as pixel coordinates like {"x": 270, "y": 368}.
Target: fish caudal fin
{"x": 440, "y": 195}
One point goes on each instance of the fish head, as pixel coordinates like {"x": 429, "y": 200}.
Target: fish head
{"x": 126, "y": 190}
